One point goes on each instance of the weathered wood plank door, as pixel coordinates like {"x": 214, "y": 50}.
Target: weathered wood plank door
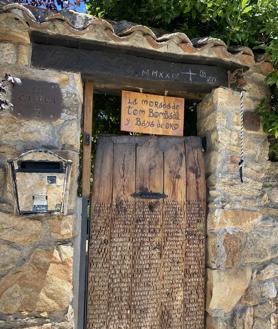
{"x": 147, "y": 244}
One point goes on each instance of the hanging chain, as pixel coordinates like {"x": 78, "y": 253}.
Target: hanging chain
{"x": 241, "y": 137}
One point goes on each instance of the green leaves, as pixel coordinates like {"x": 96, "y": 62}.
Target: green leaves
{"x": 251, "y": 23}
{"x": 248, "y": 22}
{"x": 272, "y": 49}
{"x": 272, "y": 78}
{"x": 268, "y": 117}
{"x": 246, "y": 9}
{"x": 244, "y": 3}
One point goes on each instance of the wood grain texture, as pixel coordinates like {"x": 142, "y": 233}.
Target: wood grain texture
{"x": 194, "y": 258}
{"x": 195, "y": 170}
{"x": 102, "y": 65}
{"x": 149, "y": 167}
{"x": 103, "y": 172}
{"x": 123, "y": 209}
{"x": 175, "y": 173}
{"x": 147, "y": 238}
{"x": 152, "y": 114}
{"x": 87, "y": 148}
{"x": 124, "y": 172}
{"x": 147, "y": 256}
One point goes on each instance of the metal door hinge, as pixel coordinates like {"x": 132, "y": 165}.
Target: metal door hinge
{"x": 87, "y": 139}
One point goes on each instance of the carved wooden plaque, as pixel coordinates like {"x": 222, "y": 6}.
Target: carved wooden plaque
{"x": 37, "y": 100}
{"x": 147, "y": 243}
{"x": 152, "y": 114}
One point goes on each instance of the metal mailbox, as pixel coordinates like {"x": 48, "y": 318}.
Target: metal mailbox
{"x": 40, "y": 180}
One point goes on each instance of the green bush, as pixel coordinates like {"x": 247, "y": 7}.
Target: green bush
{"x": 252, "y": 23}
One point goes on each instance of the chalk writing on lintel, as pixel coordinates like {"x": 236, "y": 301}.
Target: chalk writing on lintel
{"x": 187, "y": 75}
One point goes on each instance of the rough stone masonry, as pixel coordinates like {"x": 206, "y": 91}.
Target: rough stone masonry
{"x": 242, "y": 230}
{"x": 36, "y": 251}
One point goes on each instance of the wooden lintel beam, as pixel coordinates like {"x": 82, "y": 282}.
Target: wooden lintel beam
{"x": 87, "y": 138}
{"x": 106, "y": 65}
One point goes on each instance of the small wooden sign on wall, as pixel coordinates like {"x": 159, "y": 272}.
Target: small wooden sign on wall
{"x": 152, "y": 114}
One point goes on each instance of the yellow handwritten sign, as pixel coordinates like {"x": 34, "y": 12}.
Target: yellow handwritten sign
{"x": 152, "y": 114}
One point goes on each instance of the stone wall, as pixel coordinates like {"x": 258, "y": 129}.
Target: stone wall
{"x": 242, "y": 266}
{"x": 36, "y": 251}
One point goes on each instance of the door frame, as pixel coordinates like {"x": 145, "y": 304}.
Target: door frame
{"x": 87, "y": 131}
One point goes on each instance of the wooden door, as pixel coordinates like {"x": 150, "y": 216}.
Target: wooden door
{"x": 147, "y": 244}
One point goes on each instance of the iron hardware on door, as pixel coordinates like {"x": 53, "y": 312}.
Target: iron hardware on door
{"x": 149, "y": 195}
{"x": 147, "y": 238}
